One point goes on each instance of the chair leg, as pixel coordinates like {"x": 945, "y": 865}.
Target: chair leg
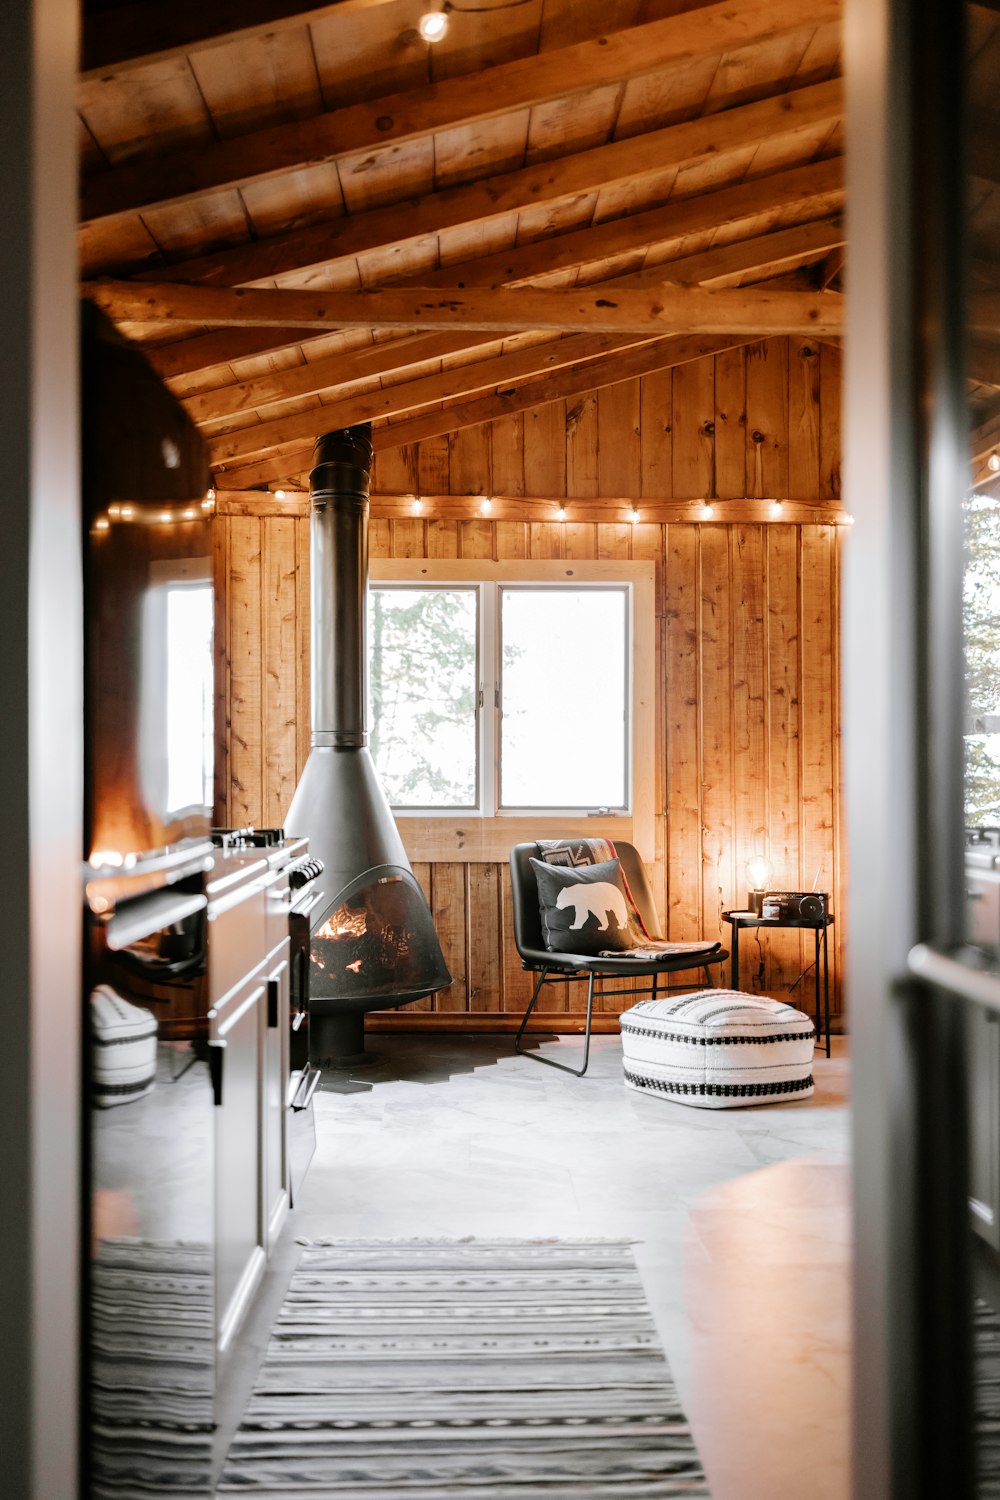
{"x": 531, "y": 1005}
{"x": 550, "y": 1062}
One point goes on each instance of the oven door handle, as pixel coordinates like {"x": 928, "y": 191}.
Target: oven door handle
{"x": 304, "y": 905}
{"x": 307, "y": 1087}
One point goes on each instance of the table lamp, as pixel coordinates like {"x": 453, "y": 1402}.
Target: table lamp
{"x": 759, "y": 874}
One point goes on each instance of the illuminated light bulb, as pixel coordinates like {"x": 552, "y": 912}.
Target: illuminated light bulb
{"x": 189, "y": 515}
{"x": 166, "y": 515}
{"x": 126, "y": 512}
{"x": 208, "y": 504}
{"x": 994, "y": 462}
{"x": 708, "y": 511}
{"x": 759, "y": 873}
{"x": 486, "y": 505}
{"x": 561, "y": 513}
{"x": 210, "y": 493}
{"x": 102, "y": 524}
{"x": 279, "y": 494}
{"x": 114, "y": 510}
{"x": 432, "y": 25}
{"x": 416, "y": 505}
{"x": 633, "y": 516}
{"x": 776, "y": 507}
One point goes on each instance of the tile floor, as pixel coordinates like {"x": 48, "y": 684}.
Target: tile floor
{"x": 740, "y": 1218}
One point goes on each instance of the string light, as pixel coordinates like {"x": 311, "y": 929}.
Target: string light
{"x": 126, "y": 512}
{"x": 561, "y": 513}
{"x": 189, "y": 515}
{"x": 485, "y": 505}
{"x": 433, "y": 24}
{"x": 708, "y": 511}
{"x": 633, "y": 516}
{"x": 776, "y": 507}
{"x": 417, "y": 505}
{"x": 102, "y": 524}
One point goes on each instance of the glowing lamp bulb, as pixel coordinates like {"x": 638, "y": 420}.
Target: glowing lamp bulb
{"x": 561, "y": 513}
{"x": 485, "y": 506}
{"x": 994, "y": 462}
{"x": 433, "y": 25}
{"x": 102, "y": 523}
{"x": 417, "y": 505}
{"x": 209, "y": 494}
{"x": 707, "y": 511}
{"x": 166, "y": 516}
{"x": 279, "y": 494}
{"x": 776, "y": 507}
{"x": 759, "y": 872}
{"x": 633, "y": 516}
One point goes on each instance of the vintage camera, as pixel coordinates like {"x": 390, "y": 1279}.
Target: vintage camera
{"x": 790, "y": 906}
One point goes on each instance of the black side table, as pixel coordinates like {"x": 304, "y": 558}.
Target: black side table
{"x": 818, "y": 925}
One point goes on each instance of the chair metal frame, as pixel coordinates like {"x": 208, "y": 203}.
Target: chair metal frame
{"x": 568, "y": 968}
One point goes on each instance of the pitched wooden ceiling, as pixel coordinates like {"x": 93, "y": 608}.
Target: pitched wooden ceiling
{"x": 558, "y": 195}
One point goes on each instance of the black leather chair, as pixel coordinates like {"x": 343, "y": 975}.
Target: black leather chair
{"x": 563, "y": 968}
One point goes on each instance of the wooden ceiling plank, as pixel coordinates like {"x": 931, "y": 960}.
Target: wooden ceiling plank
{"x": 660, "y": 355}
{"x": 765, "y": 255}
{"x": 550, "y": 182}
{"x": 984, "y": 363}
{"x": 373, "y": 125}
{"x": 664, "y": 309}
{"x": 817, "y": 187}
{"x": 133, "y": 36}
{"x": 410, "y": 396}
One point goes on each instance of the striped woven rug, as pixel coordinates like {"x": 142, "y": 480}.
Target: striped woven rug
{"x": 480, "y": 1368}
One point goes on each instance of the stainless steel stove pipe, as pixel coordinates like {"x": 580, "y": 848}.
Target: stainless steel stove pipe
{"x": 338, "y": 545}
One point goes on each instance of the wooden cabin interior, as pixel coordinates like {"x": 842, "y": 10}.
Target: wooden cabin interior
{"x": 581, "y": 267}
{"x": 665, "y": 149}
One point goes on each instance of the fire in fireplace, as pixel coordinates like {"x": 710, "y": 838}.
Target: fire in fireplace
{"x": 378, "y": 942}
{"x": 373, "y": 946}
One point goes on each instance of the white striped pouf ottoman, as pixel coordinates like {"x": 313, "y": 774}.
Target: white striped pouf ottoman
{"x": 718, "y": 1049}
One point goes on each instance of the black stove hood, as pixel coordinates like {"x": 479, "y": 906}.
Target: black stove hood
{"x": 374, "y": 944}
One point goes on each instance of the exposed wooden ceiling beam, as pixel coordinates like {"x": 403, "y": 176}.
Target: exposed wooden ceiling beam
{"x": 756, "y": 312}
{"x": 661, "y": 355}
{"x": 984, "y": 363}
{"x": 147, "y": 31}
{"x": 765, "y": 255}
{"x": 372, "y": 126}
{"x": 651, "y": 155}
{"x": 813, "y": 189}
{"x": 410, "y": 396}
{"x": 985, "y": 439}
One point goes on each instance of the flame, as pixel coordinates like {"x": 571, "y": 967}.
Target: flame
{"x": 344, "y": 923}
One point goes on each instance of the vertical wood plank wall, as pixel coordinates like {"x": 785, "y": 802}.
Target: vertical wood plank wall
{"x": 748, "y": 711}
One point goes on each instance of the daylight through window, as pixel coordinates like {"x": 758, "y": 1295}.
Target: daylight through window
{"x": 499, "y": 698}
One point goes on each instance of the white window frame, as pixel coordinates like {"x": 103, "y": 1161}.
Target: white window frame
{"x": 487, "y": 835}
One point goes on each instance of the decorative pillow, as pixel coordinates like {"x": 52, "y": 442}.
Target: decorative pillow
{"x": 586, "y": 910}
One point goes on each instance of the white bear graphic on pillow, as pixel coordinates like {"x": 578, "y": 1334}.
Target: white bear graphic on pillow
{"x": 596, "y": 899}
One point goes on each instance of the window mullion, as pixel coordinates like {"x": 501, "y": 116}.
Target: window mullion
{"x": 489, "y": 728}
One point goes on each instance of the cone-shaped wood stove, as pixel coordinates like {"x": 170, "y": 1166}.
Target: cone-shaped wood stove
{"x": 373, "y": 944}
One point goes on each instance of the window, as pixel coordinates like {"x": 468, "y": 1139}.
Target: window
{"x": 501, "y": 692}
